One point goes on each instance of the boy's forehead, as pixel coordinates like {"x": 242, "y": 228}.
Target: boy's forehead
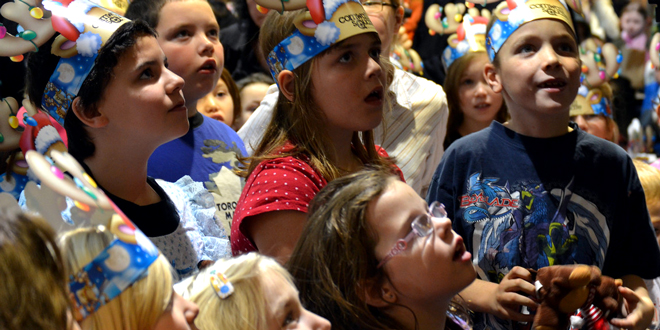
{"x": 510, "y": 15}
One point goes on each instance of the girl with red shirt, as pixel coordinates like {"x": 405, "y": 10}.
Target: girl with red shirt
{"x": 329, "y": 103}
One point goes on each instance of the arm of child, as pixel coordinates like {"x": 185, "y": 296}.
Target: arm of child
{"x": 503, "y": 300}
{"x": 637, "y": 304}
{"x": 276, "y": 233}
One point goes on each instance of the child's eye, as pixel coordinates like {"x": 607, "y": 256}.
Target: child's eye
{"x": 346, "y": 58}
{"x": 214, "y": 33}
{"x": 182, "y": 34}
{"x": 375, "y": 54}
{"x": 568, "y": 48}
{"x": 526, "y": 49}
{"x": 289, "y": 319}
{"x": 221, "y": 94}
{"x": 467, "y": 82}
{"x": 146, "y": 74}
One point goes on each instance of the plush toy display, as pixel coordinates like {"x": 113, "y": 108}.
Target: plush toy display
{"x": 564, "y": 290}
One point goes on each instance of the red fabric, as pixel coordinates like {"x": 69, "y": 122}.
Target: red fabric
{"x": 281, "y": 184}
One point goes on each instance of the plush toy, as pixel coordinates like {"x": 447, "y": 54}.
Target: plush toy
{"x": 564, "y": 290}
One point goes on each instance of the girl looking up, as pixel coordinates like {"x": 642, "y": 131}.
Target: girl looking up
{"x": 374, "y": 255}
{"x": 331, "y": 97}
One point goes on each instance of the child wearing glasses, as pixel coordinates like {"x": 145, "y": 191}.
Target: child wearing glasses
{"x": 248, "y": 292}
{"x": 374, "y": 255}
{"x": 532, "y": 192}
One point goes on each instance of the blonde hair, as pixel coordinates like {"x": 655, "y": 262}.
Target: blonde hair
{"x": 140, "y": 305}
{"x": 301, "y": 121}
{"x": 650, "y": 178}
{"x": 245, "y": 309}
{"x": 33, "y": 287}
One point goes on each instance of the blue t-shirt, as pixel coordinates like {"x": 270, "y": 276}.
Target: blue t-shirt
{"x": 207, "y": 153}
{"x": 531, "y": 202}
{"x": 208, "y": 146}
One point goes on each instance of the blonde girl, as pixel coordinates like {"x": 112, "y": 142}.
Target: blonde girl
{"x": 150, "y": 303}
{"x": 262, "y": 296}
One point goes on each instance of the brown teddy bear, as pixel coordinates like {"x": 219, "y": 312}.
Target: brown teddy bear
{"x": 562, "y": 290}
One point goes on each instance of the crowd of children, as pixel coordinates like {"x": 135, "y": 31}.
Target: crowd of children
{"x": 286, "y": 171}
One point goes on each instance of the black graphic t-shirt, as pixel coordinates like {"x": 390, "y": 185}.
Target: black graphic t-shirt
{"x": 531, "y": 202}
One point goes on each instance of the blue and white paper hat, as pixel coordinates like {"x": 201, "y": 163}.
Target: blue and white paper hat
{"x": 343, "y": 19}
{"x": 512, "y": 14}
{"x": 470, "y": 36}
{"x": 125, "y": 260}
{"x": 84, "y": 28}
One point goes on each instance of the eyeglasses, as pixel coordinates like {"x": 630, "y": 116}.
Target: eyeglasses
{"x": 422, "y": 226}
{"x": 376, "y": 5}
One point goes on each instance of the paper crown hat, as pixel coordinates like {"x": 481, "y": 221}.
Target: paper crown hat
{"x": 470, "y": 36}
{"x": 600, "y": 64}
{"x": 83, "y": 27}
{"x": 340, "y": 19}
{"x": 124, "y": 261}
{"x": 512, "y": 14}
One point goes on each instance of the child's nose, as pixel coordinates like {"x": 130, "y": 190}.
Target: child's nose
{"x": 550, "y": 57}
{"x": 191, "y": 310}
{"x": 579, "y": 120}
{"x": 442, "y": 226}
{"x": 174, "y": 83}
{"x": 316, "y": 322}
{"x": 373, "y": 68}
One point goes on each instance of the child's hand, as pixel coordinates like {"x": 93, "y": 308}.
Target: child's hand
{"x": 639, "y": 308}
{"x": 510, "y": 296}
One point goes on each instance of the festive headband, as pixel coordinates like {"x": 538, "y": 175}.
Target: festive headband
{"x": 470, "y": 36}
{"x": 600, "y": 64}
{"x": 341, "y": 19}
{"x": 83, "y": 27}
{"x": 452, "y": 18}
{"x": 125, "y": 260}
{"x": 512, "y": 14}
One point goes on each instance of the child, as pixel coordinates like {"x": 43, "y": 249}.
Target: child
{"x": 353, "y": 265}
{"x": 472, "y": 103}
{"x": 223, "y": 103}
{"x": 650, "y": 179}
{"x": 251, "y": 292}
{"x": 330, "y": 100}
{"x": 117, "y": 278}
{"x": 592, "y": 112}
{"x": 531, "y": 192}
{"x": 150, "y": 303}
{"x": 411, "y": 132}
{"x": 633, "y": 26}
{"x": 188, "y": 33}
{"x": 129, "y": 96}
{"x": 31, "y": 268}
{"x": 252, "y": 89}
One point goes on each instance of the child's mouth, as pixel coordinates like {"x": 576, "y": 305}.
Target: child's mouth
{"x": 375, "y": 96}
{"x": 553, "y": 84}
{"x": 482, "y": 105}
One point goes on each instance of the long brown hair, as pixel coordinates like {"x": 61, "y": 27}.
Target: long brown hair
{"x": 452, "y": 85}
{"x": 301, "y": 121}
{"x": 334, "y": 258}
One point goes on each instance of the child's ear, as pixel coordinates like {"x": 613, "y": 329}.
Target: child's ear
{"x": 93, "y": 119}
{"x": 286, "y": 82}
{"x": 399, "y": 17}
{"x": 377, "y": 295}
{"x": 492, "y": 77}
